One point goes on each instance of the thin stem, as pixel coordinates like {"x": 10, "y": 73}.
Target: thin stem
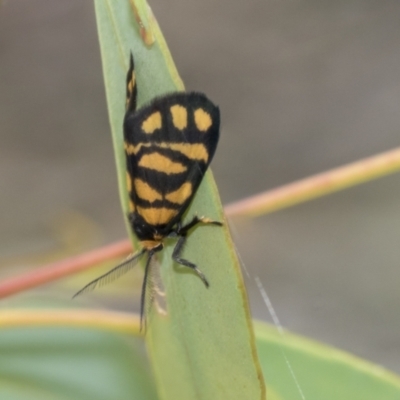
{"x": 263, "y": 203}
{"x": 317, "y": 185}
{"x": 110, "y": 320}
{"x": 60, "y": 269}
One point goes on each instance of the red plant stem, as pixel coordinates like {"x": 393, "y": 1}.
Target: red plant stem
{"x": 272, "y": 200}
{"x": 317, "y": 185}
{"x": 60, "y": 269}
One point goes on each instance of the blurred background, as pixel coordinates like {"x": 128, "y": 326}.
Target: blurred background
{"x": 304, "y": 86}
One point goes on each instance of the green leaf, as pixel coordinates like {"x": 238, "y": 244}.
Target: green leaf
{"x": 40, "y": 363}
{"x": 322, "y": 372}
{"x": 204, "y": 347}
{"x": 70, "y": 354}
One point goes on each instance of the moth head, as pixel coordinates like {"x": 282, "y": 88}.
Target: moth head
{"x": 143, "y": 230}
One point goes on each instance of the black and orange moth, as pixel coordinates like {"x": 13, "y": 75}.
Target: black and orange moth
{"x": 169, "y": 145}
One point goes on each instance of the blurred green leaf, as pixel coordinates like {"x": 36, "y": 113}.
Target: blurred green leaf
{"x": 322, "y": 372}
{"x": 65, "y": 359}
{"x": 72, "y": 363}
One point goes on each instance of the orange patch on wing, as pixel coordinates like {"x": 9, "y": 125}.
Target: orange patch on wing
{"x": 131, "y": 148}
{"x": 179, "y": 196}
{"x": 157, "y": 216}
{"x": 146, "y": 192}
{"x": 128, "y": 182}
{"x": 158, "y": 162}
{"x": 179, "y": 116}
{"x": 202, "y": 120}
{"x": 131, "y": 206}
{"x": 194, "y": 151}
{"x": 152, "y": 123}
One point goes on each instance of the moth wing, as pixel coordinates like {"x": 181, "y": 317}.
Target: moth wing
{"x": 169, "y": 145}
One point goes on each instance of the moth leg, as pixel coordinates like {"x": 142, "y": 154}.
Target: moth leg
{"x": 183, "y": 230}
{"x": 143, "y": 294}
{"x": 131, "y": 87}
{"x": 176, "y": 257}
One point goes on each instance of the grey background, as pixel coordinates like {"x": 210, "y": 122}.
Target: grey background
{"x": 304, "y": 86}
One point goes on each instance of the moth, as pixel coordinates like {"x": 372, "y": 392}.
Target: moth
{"x": 169, "y": 145}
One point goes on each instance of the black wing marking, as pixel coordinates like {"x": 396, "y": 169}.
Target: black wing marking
{"x": 131, "y": 87}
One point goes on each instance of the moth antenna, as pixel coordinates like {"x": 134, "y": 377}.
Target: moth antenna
{"x": 113, "y": 274}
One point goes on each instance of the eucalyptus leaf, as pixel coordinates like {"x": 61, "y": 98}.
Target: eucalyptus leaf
{"x": 203, "y": 347}
{"x": 62, "y": 362}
